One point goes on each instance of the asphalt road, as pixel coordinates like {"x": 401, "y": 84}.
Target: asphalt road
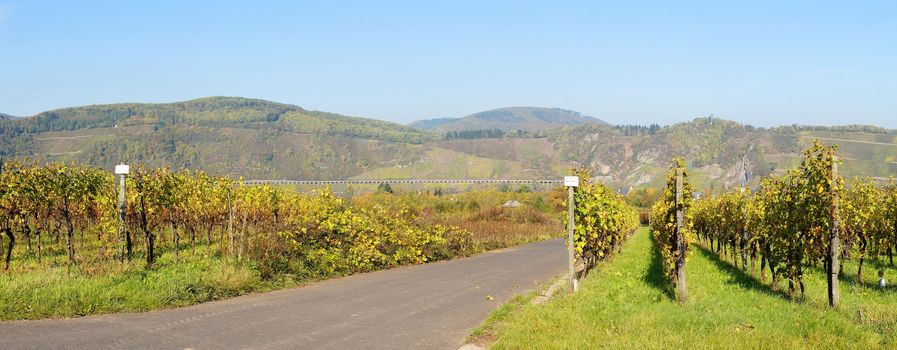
{"x": 431, "y": 306}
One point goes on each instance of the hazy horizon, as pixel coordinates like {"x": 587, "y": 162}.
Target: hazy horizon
{"x": 764, "y": 64}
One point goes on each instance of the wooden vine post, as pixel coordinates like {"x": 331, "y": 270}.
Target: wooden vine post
{"x": 682, "y": 290}
{"x": 230, "y": 222}
{"x": 571, "y": 182}
{"x": 744, "y": 232}
{"x": 744, "y": 237}
{"x": 834, "y": 292}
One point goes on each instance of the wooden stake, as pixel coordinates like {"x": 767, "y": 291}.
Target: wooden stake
{"x": 834, "y": 292}
{"x": 230, "y": 222}
{"x": 682, "y": 290}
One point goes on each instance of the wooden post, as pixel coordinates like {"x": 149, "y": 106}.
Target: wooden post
{"x": 744, "y": 232}
{"x": 570, "y": 249}
{"x": 682, "y": 290}
{"x": 834, "y": 292}
{"x": 121, "y": 216}
{"x": 230, "y": 221}
{"x": 744, "y": 244}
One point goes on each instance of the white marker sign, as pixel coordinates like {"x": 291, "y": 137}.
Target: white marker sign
{"x": 571, "y": 181}
{"x": 122, "y": 169}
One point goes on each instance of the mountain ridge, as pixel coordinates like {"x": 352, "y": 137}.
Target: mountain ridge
{"x": 509, "y": 119}
{"x": 426, "y": 124}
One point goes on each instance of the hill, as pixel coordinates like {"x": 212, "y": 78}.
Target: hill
{"x": 262, "y": 139}
{"x": 530, "y": 119}
{"x": 6, "y": 116}
{"x": 715, "y": 148}
{"x": 224, "y": 135}
{"x": 220, "y": 112}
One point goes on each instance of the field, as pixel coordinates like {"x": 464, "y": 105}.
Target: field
{"x": 626, "y": 304}
{"x": 493, "y": 225}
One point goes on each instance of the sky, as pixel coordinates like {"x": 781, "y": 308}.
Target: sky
{"x": 627, "y": 62}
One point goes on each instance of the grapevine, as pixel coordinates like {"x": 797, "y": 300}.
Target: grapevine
{"x": 671, "y": 225}
{"x": 603, "y": 220}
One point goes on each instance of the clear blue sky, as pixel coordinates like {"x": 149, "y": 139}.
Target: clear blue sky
{"x": 763, "y": 63}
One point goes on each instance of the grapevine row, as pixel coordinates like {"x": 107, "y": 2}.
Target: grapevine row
{"x": 671, "y": 226}
{"x": 805, "y": 217}
{"x": 603, "y": 220}
{"x": 71, "y": 211}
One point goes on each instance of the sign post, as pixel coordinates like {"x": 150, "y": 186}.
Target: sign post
{"x": 122, "y": 171}
{"x": 571, "y": 182}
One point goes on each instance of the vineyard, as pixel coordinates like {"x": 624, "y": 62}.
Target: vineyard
{"x": 798, "y": 246}
{"x": 66, "y": 249}
{"x": 58, "y": 208}
{"x": 803, "y": 219}
{"x": 781, "y": 265}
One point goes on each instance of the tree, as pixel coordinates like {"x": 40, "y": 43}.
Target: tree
{"x": 384, "y": 187}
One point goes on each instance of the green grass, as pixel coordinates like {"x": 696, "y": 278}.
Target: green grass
{"x": 626, "y": 304}
{"x": 55, "y": 292}
{"x": 486, "y": 331}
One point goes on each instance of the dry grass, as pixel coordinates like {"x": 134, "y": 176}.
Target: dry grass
{"x": 498, "y": 227}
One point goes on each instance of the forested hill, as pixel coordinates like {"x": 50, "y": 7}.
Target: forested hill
{"x": 6, "y": 116}
{"x": 229, "y": 135}
{"x": 219, "y": 112}
{"x": 528, "y": 119}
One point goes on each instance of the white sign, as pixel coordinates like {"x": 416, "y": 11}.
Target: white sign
{"x": 122, "y": 169}
{"x": 571, "y": 181}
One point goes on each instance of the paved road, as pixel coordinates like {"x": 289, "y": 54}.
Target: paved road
{"x": 430, "y": 306}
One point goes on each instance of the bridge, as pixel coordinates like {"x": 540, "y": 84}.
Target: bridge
{"x": 405, "y": 181}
